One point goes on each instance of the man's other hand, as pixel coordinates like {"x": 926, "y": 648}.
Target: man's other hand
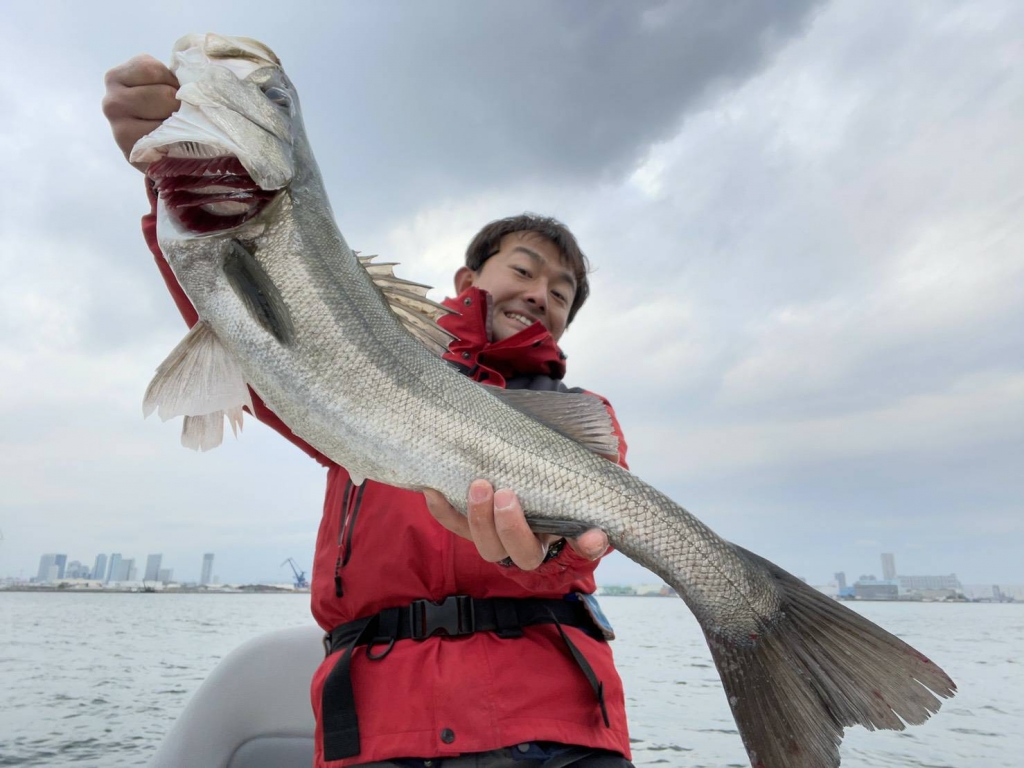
{"x": 140, "y": 95}
{"x": 498, "y": 527}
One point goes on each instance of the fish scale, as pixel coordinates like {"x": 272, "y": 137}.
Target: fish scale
{"x": 288, "y": 309}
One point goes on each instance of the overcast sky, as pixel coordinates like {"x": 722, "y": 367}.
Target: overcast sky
{"x": 805, "y": 220}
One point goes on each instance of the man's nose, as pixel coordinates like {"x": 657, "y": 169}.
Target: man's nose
{"x": 537, "y": 295}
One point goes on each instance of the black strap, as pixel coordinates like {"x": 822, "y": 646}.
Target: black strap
{"x": 455, "y": 616}
{"x": 340, "y": 723}
{"x": 588, "y": 670}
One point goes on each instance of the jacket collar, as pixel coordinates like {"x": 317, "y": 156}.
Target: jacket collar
{"x": 532, "y": 351}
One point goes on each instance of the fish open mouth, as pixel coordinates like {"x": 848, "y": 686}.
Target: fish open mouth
{"x": 208, "y": 194}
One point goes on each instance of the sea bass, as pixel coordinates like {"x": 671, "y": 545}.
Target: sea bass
{"x": 348, "y": 356}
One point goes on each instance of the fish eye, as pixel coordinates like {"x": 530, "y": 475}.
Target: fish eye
{"x": 279, "y": 97}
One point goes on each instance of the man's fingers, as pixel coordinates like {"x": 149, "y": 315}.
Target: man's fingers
{"x": 446, "y": 514}
{"x": 145, "y": 102}
{"x": 140, "y": 95}
{"x": 141, "y": 70}
{"x": 480, "y": 503}
{"x": 591, "y": 544}
{"x": 127, "y": 131}
{"x": 525, "y": 549}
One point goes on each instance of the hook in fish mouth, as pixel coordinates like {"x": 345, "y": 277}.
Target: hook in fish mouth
{"x": 205, "y": 191}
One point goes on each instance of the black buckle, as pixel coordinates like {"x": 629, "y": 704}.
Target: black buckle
{"x": 452, "y": 617}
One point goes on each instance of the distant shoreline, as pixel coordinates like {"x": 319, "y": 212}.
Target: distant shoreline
{"x": 257, "y": 589}
{"x": 244, "y": 590}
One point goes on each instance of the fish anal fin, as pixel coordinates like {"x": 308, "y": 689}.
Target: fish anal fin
{"x": 580, "y": 417}
{"x": 569, "y": 528}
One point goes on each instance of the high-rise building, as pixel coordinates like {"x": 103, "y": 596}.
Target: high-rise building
{"x": 99, "y": 570}
{"x": 841, "y": 580}
{"x": 114, "y": 572}
{"x": 131, "y": 573}
{"x": 46, "y": 562}
{"x": 206, "y": 576}
{"x": 166, "y": 575}
{"x": 60, "y": 561}
{"x": 153, "y": 568}
{"x": 76, "y": 570}
{"x": 888, "y": 566}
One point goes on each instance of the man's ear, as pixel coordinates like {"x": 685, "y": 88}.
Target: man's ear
{"x": 464, "y": 278}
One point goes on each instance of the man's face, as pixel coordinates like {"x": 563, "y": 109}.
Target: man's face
{"x": 527, "y": 281}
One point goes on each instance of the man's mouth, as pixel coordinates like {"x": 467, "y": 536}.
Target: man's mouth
{"x": 206, "y": 195}
{"x": 524, "y": 320}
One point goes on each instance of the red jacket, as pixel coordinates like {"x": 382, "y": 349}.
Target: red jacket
{"x": 379, "y": 547}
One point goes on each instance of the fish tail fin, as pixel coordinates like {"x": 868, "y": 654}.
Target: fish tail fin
{"x": 814, "y": 668}
{"x": 201, "y": 381}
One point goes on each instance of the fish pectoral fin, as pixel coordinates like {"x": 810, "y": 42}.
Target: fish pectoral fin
{"x": 408, "y": 300}
{"x": 201, "y": 381}
{"x": 258, "y": 293}
{"x": 580, "y": 417}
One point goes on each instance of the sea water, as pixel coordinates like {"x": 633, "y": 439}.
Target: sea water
{"x": 97, "y": 679}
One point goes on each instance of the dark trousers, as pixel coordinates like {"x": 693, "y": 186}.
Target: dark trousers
{"x": 518, "y": 757}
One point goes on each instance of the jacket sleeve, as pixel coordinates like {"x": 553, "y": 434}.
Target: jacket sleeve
{"x": 568, "y": 566}
{"x": 188, "y": 312}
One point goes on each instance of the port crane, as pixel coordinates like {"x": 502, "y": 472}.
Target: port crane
{"x": 300, "y": 576}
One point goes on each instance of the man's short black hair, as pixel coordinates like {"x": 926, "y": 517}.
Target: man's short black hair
{"x": 488, "y": 242}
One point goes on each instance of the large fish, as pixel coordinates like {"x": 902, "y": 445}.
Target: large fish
{"x": 349, "y": 357}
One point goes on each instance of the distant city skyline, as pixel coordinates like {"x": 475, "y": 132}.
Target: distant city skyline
{"x": 121, "y": 569}
{"x": 115, "y": 568}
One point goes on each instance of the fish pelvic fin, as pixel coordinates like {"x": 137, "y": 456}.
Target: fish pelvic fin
{"x": 814, "y": 668}
{"x": 409, "y": 302}
{"x": 201, "y": 381}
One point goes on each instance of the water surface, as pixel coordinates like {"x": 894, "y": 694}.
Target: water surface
{"x": 97, "y": 679}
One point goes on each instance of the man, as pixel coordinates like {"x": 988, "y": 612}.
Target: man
{"x": 519, "y": 673}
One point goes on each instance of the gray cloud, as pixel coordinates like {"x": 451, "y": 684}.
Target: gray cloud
{"x": 805, "y": 223}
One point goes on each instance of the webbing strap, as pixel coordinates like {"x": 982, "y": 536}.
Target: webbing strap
{"x": 457, "y": 615}
{"x": 588, "y": 670}
{"x": 338, "y": 713}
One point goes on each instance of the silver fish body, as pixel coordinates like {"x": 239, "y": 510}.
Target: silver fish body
{"x": 283, "y": 298}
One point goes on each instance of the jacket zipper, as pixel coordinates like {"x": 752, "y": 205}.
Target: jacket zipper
{"x": 351, "y": 502}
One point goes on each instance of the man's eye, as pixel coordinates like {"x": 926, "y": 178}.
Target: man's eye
{"x": 521, "y": 271}
{"x": 559, "y": 296}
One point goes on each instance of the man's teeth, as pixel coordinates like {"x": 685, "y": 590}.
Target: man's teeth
{"x": 522, "y": 319}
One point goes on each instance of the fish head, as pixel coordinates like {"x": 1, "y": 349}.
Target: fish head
{"x": 230, "y": 149}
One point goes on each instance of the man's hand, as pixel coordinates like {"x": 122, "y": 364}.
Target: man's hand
{"x": 497, "y": 525}
{"x": 140, "y": 95}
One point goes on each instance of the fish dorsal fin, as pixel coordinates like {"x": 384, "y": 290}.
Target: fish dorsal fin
{"x": 580, "y": 417}
{"x": 201, "y": 381}
{"x": 408, "y": 300}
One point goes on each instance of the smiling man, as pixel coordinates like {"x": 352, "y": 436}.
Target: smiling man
{"x": 524, "y": 280}
{"x": 478, "y": 641}
{"x": 526, "y": 274}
